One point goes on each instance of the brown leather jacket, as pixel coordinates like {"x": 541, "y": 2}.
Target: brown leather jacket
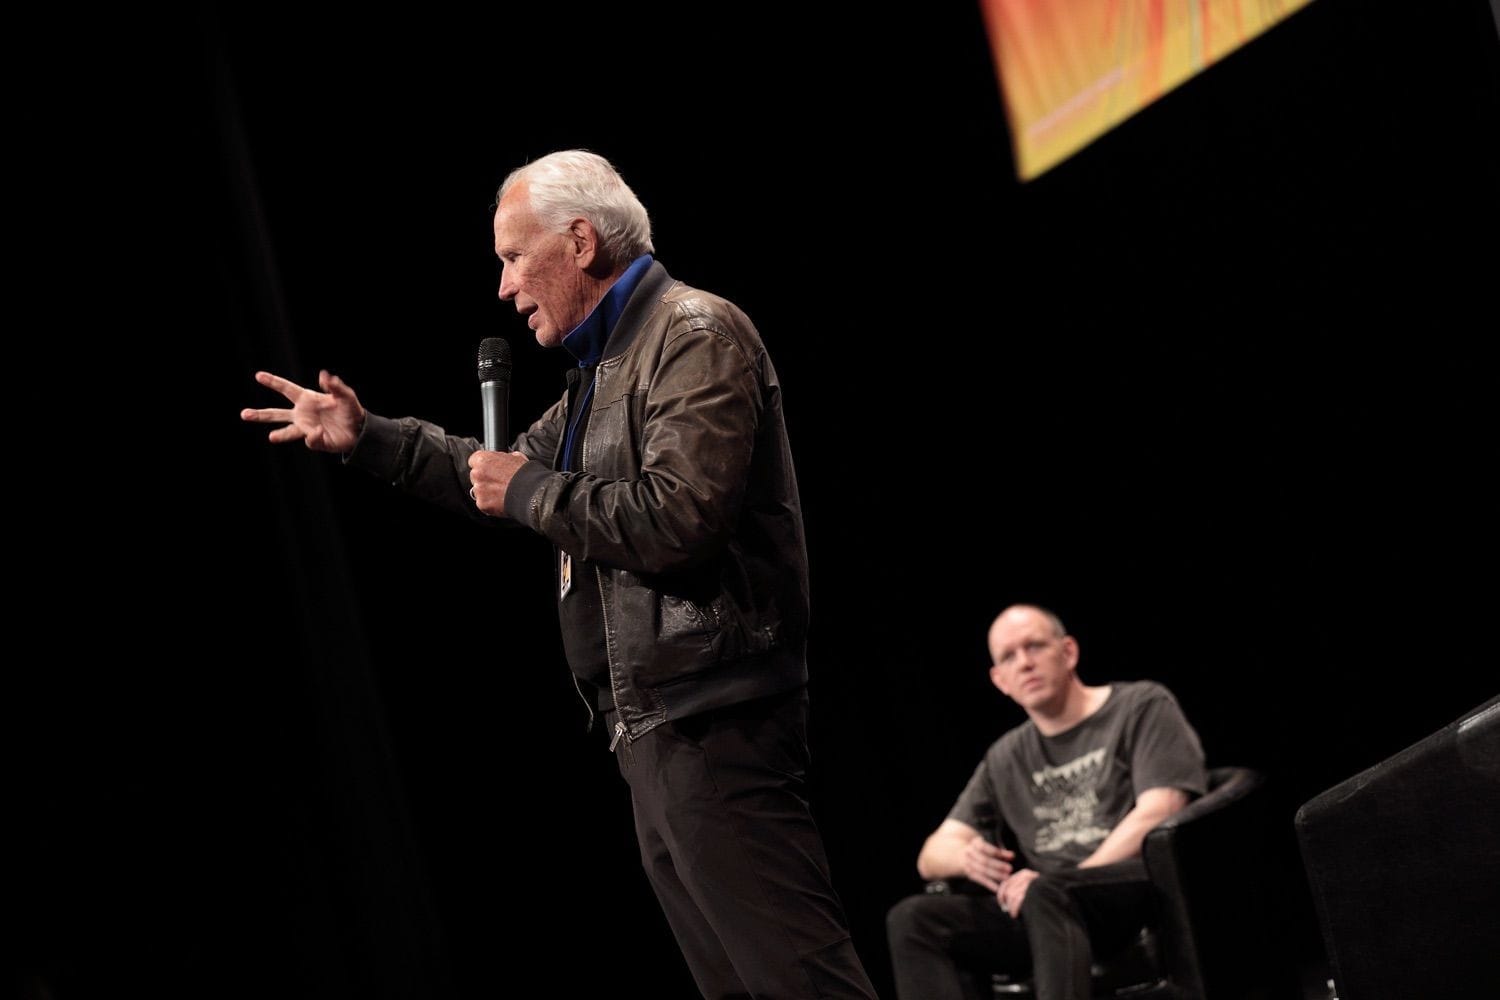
{"x": 685, "y": 514}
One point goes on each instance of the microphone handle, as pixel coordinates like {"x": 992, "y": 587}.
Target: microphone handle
{"x": 496, "y": 406}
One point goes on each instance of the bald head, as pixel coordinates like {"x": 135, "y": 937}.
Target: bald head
{"x": 1022, "y": 613}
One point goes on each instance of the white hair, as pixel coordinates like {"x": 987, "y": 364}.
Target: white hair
{"x": 575, "y": 183}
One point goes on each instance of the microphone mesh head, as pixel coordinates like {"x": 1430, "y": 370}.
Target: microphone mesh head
{"x": 494, "y": 360}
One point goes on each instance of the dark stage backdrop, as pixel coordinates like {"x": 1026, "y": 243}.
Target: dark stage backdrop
{"x": 1214, "y": 389}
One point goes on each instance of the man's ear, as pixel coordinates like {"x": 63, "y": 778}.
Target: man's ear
{"x": 997, "y": 679}
{"x": 1070, "y": 651}
{"x": 585, "y": 243}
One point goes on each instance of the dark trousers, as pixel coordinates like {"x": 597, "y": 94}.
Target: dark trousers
{"x": 948, "y": 946}
{"x": 729, "y": 845}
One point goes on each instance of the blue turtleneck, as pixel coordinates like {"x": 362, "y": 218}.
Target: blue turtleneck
{"x": 586, "y": 343}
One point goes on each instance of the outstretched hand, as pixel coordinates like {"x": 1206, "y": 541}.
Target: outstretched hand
{"x": 326, "y": 421}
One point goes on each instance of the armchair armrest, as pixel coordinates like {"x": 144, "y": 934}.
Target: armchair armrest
{"x": 1227, "y": 785}
{"x": 1207, "y": 863}
{"x": 956, "y": 885}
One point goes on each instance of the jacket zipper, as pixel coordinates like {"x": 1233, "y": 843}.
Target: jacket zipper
{"x": 583, "y": 464}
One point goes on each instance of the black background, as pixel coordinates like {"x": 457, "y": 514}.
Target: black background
{"x": 1215, "y": 389}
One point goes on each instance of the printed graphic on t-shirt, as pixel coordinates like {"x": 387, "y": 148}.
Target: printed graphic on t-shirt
{"x": 1066, "y": 799}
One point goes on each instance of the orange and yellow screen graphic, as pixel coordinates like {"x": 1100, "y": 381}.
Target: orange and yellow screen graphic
{"x": 1072, "y": 69}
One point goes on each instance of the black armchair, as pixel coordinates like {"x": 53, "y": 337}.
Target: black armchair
{"x": 1210, "y": 866}
{"x": 1404, "y": 867}
{"x": 1210, "y": 937}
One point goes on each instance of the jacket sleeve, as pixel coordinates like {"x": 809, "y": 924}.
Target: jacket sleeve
{"x": 426, "y": 461}
{"x": 700, "y": 415}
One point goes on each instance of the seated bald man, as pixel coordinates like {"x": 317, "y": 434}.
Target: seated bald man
{"x": 1075, "y": 788}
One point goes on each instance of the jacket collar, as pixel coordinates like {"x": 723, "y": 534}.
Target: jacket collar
{"x": 641, "y": 306}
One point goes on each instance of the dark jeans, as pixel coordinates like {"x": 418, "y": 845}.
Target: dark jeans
{"x": 948, "y": 946}
{"x": 729, "y": 844}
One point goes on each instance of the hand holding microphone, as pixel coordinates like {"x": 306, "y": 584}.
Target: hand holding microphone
{"x": 490, "y": 470}
{"x": 984, "y": 861}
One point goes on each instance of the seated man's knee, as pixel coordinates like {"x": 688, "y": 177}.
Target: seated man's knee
{"x": 908, "y": 918}
{"x": 1047, "y": 891}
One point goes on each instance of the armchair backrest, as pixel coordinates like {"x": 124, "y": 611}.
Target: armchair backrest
{"x": 1403, "y": 861}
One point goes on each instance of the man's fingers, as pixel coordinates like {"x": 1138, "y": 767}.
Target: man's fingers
{"x": 281, "y": 435}
{"x": 291, "y": 390}
{"x": 267, "y": 416}
{"x": 334, "y": 386}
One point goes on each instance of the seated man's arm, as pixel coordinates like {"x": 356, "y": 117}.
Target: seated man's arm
{"x": 1124, "y": 841}
{"x": 956, "y": 848}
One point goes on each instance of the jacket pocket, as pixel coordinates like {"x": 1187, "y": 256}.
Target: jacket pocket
{"x": 683, "y": 622}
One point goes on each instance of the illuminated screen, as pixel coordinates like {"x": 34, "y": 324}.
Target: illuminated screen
{"x": 1070, "y": 70}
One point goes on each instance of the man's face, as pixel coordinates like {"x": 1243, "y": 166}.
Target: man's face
{"x": 539, "y": 270}
{"x": 1033, "y": 665}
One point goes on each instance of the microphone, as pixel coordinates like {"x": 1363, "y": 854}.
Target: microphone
{"x": 494, "y": 390}
{"x": 984, "y": 821}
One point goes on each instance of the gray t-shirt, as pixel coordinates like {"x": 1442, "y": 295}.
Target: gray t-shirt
{"x": 1060, "y": 796}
